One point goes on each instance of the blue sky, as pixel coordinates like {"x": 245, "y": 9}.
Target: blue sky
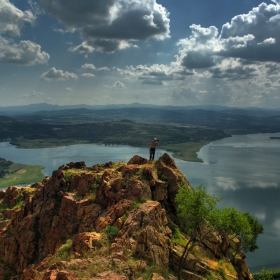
{"x": 179, "y": 52}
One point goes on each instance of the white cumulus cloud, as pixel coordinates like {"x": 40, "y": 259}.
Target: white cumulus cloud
{"x": 12, "y": 20}
{"x": 22, "y": 53}
{"x": 57, "y": 75}
{"x": 88, "y": 66}
{"x": 88, "y": 75}
{"x": 119, "y": 85}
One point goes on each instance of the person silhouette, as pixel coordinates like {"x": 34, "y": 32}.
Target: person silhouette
{"x": 153, "y": 146}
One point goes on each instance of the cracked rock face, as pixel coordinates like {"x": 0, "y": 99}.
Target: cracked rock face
{"x": 131, "y": 204}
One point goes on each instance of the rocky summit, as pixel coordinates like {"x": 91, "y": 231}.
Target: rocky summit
{"x": 108, "y": 221}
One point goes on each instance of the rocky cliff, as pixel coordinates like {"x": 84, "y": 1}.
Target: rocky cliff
{"x": 108, "y": 221}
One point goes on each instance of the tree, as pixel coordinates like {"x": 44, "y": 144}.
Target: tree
{"x": 196, "y": 208}
{"x": 199, "y": 218}
{"x": 234, "y": 223}
{"x": 266, "y": 274}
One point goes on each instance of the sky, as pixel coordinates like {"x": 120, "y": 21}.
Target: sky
{"x": 162, "y": 52}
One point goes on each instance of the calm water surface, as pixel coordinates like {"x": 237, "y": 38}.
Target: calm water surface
{"x": 244, "y": 170}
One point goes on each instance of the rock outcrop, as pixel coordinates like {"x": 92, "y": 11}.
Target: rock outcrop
{"x": 108, "y": 221}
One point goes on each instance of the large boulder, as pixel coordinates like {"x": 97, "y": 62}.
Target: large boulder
{"x": 153, "y": 238}
{"x": 85, "y": 241}
{"x": 137, "y": 160}
{"x": 82, "y": 184}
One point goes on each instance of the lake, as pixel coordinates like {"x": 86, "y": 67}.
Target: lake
{"x": 244, "y": 170}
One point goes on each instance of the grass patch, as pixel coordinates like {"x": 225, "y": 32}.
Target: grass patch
{"x": 163, "y": 177}
{"x": 177, "y": 237}
{"x": 92, "y": 270}
{"x": 70, "y": 173}
{"x": 143, "y": 200}
{"x": 22, "y": 174}
{"x": 186, "y": 151}
{"x": 135, "y": 205}
{"x": 147, "y": 273}
{"x": 227, "y": 266}
{"x": 117, "y": 165}
{"x": 62, "y": 254}
{"x": 221, "y": 270}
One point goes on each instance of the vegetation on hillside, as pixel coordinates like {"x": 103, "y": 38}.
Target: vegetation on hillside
{"x": 200, "y": 219}
{"x": 111, "y": 132}
{"x": 267, "y": 274}
{"x": 254, "y": 120}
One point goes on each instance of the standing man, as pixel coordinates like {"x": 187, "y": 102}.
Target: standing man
{"x": 153, "y": 148}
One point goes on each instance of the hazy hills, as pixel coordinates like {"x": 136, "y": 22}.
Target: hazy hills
{"x": 232, "y": 120}
{"x": 47, "y": 125}
{"x": 249, "y": 111}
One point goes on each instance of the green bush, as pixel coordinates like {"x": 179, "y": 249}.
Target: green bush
{"x": 134, "y": 205}
{"x": 112, "y": 232}
{"x": 143, "y": 200}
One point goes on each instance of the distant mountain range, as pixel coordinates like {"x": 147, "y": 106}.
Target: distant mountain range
{"x": 32, "y": 108}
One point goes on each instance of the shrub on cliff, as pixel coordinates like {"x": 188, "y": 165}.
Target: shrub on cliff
{"x": 200, "y": 218}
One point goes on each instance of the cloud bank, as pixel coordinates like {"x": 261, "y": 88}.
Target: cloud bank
{"x": 252, "y": 37}
{"x": 111, "y": 25}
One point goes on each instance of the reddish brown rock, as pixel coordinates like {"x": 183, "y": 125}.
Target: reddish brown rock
{"x": 29, "y": 273}
{"x": 107, "y": 192}
{"x": 2, "y": 193}
{"x": 112, "y": 215}
{"x": 65, "y": 223}
{"x": 138, "y": 160}
{"x": 11, "y": 195}
{"x": 129, "y": 170}
{"x": 76, "y": 165}
{"x": 82, "y": 184}
{"x": 61, "y": 275}
{"x": 156, "y": 276}
{"x": 85, "y": 241}
{"x": 87, "y": 216}
{"x": 152, "y": 240}
{"x": 3, "y": 224}
{"x": 168, "y": 161}
{"x": 136, "y": 190}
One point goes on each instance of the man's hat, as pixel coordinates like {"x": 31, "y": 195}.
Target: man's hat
{"x": 155, "y": 139}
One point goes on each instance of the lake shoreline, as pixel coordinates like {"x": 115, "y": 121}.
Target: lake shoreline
{"x": 184, "y": 151}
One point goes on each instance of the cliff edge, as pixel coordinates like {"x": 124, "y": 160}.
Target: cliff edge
{"x": 109, "y": 221}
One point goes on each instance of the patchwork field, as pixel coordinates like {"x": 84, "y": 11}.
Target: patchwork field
{"x": 21, "y": 174}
